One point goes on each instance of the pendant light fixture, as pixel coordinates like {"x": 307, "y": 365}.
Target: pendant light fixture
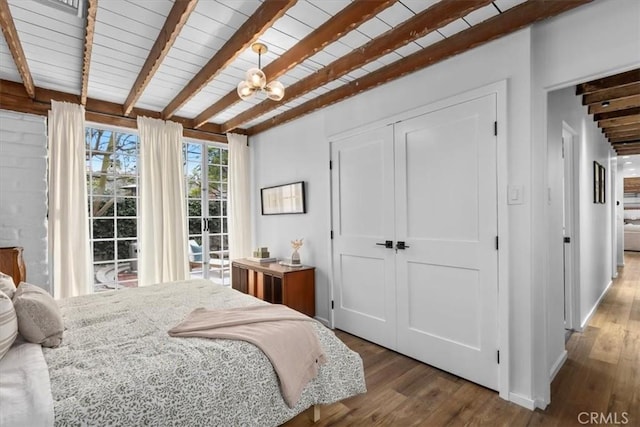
{"x": 255, "y": 80}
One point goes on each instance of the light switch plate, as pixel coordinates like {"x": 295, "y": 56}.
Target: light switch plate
{"x": 515, "y": 194}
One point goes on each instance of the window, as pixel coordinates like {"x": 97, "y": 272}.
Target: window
{"x": 112, "y": 183}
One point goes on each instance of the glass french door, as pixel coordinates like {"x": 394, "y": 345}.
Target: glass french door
{"x": 206, "y": 171}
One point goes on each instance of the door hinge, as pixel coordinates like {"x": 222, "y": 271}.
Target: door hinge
{"x": 331, "y": 304}
{"x": 497, "y": 243}
{"x": 332, "y": 234}
{"x": 330, "y": 165}
{"x": 498, "y": 356}
{"x": 495, "y": 128}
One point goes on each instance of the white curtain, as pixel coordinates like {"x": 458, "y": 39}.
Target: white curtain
{"x": 162, "y": 224}
{"x": 239, "y": 208}
{"x": 71, "y": 268}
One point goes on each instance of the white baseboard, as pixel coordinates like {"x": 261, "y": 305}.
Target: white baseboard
{"x": 322, "y": 320}
{"x": 556, "y": 366}
{"x": 595, "y": 306}
{"x": 522, "y": 401}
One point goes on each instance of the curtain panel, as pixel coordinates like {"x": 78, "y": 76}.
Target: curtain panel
{"x": 239, "y": 208}
{"x": 68, "y": 223}
{"x": 162, "y": 223}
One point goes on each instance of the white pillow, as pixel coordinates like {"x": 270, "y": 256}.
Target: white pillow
{"x": 6, "y": 285}
{"x": 8, "y": 324}
{"x": 39, "y": 317}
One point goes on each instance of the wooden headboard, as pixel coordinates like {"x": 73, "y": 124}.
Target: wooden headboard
{"x": 11, "y": 263}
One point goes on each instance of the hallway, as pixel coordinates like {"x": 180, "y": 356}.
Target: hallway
{"x": 602, "y": 373}
{"x": 599, "y": 383}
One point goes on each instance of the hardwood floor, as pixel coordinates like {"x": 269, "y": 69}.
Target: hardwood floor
{"x": 601, "y": 376}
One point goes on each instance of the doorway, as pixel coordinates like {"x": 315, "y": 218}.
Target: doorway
{"x": 569, "y": 226}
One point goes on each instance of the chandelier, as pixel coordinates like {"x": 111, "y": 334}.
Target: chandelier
{"x": 255, "y": 80}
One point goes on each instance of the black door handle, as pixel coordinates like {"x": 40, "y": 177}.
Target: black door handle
{"x": 401, "y": 245}
{"x": 387, "y": 244}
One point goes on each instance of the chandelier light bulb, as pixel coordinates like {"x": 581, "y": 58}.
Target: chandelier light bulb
{"x": 245, "y": 91}
{"x": 275, "y": 90}
{"x": 256, "y": 78}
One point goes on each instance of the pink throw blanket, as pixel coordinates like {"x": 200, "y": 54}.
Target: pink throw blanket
{"x": 283, "y": 334}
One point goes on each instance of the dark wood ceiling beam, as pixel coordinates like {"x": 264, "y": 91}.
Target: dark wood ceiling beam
{"x": 631, "y": 76}
{"x": 14, "y": 97}
{"x": 266, "y": 14}
{"x": 15, "y": 47}
{"x": 629, "y": 133}
{"x": 619, "y": 121}
{"x": 611, "y": 94}
{"x": 92, "y": 8}
{"x": 616, "y": 114}
{"x": 622, "y": 129}
{"x": 615, "y": 104}
{"x": 427, "y": 21}
{"x": 338, "y": 25}
{"x": 176, "y": 19}
{"x": 625, "y": 140}
{"x": 512, "y": 20}
{"x": 627, "y": 149}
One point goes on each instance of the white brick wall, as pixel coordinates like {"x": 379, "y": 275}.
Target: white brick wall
{"x": 23, "y": 190}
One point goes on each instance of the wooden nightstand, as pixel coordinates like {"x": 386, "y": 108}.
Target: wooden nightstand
{"x": 277, "y": 284}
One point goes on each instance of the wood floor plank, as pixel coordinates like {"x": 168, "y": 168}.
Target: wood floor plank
{"x": 608, "y": 344}
{"x": 601, "y": 374}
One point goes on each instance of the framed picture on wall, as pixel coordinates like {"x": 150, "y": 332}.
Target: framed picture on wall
{"x": 599, "y": 183}
{"x": 283, "y": 199}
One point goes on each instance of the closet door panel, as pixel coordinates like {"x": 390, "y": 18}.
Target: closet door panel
{"x": 446, "y": 213}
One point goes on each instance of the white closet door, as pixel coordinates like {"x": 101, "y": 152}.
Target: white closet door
{"x": 446, "y": 213}
{"x": 363, "y": 217}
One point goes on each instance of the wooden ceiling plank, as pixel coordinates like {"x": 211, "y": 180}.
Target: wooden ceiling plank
{"x": 631, "y": 76}
{"x": 618, "y": 92}
{"x": 427, "y": 21}
{"x": 338, "y": 25}
{"x": 92, "y": 8}
{"x": 15, "y": 47}
{"x": 619, "y": 121}
{"x": 615, "y": 114}
{"x": 615, "y": 104}
{"x": 266, "y": 14}
{"x": 500, "y": 25}
{"x": 13, "y": 96}
{"x": 174, "y": 23}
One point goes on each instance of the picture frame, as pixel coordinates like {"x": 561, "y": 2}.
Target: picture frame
{"x": 599, "y": 183}
{"x": 283, "y": 199}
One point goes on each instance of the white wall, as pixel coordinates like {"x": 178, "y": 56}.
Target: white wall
{"x": 23, "y": 190}
{"x": 594, "y": 40}
{"x": 296, "y": 152}
{"x": 300, "y": 149}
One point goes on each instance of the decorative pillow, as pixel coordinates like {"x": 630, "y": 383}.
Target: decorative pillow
{"x": 6, "y": 285}
{"x": 39, "y": 317}
{"x": 8, "y": 323}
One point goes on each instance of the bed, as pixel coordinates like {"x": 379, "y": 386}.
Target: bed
{"x": 118, "y": 366}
